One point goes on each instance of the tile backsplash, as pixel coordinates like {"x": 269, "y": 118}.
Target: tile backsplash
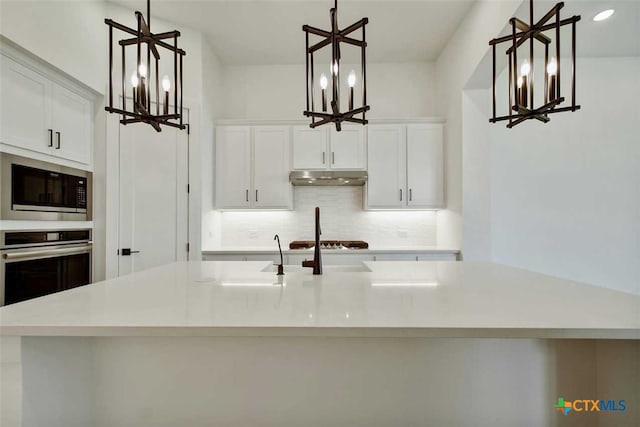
{"x": 341, "y": 217}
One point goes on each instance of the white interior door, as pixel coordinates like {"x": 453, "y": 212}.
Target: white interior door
{"x": 154, "y": 201}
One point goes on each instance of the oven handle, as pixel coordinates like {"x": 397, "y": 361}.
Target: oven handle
{"x": 47, "y": 253}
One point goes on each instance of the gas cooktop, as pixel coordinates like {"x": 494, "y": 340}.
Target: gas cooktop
{"x": 329, "y": 244}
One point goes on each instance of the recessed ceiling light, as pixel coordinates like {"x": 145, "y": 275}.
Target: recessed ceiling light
{"x": 605, "y": 14}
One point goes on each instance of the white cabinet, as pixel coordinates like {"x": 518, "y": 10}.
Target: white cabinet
{"x": 322, "y": 149}
{"x": 72, "y": 124}
{"x": 347, "y": 148}
{"x": 425, "y": 166}
{"x": 405, "y": 167}
{"x": 309, "y": 148}
{"x": 39, "y": 114}
{"x": 233, "y": 167}
{"x": 271, "y": 164}
{"x": 387, "y": 158}
{"x": 252, "y": 167}
{"x": 25, "y": 114}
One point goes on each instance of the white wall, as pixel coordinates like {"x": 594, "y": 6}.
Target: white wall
{"x": 565, "y": 197}
{"x": 341, "y": 217}
{"x": 212, "y": 103}
{"x": 71, "y": 35}
{"x": 278, "y": 91}
{"x": 454, "y": 67}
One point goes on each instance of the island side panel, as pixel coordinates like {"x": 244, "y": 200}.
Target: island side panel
{"x": 10, "y": 381}
{"x": 322, "y": 381}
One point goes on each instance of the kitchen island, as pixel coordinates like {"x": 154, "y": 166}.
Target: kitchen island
{"x": 380, "y": 343}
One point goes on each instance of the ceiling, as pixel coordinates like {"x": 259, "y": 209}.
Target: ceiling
{"x": 617, "y": 36}
{"x": 252, "y": 32}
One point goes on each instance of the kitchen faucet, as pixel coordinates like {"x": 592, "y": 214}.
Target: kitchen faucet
{"x": 280, "y": 266}
{"x": 316, "y": 264}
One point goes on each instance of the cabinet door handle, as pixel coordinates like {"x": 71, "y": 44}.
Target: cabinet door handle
{"x": 401, "y": 194}
{"x": 256, "y": 195}
{"x": 323, "y": 158}
{"x": 247, "y": 195}
{"x": 50, "y": 137}
{"x": 333, "y": 158}
{"x": 58, "y": 143}
{"x": 410, "y": 194}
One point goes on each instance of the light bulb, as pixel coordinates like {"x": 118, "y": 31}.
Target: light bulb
{"x": 552, "y": 67}
{"x": 134, "y": 80}
{"x": 142, "y": 69}
{"x": 605, "y": 14}
{"x": 166, "y": 83}
{"x": 352, "y": 79}
{"x": 519, "y": 82}
{"x": 525, "y": 68}
{"x": 335, "y": 67}
{"x": 323, "y": 81}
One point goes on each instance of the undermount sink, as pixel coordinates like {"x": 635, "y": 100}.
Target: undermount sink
{"x": 361, "y": 268}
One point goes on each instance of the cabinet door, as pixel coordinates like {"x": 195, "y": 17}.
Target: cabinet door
{"x": 25, "y": 107}
{"x": 386, "y": 187}
{"x": 425, "y": 175}
{"x": 233, "y": 167}
{"x": 271, "y": 187}
{"x": 72, "y": 125}
{"x": 309, "y": 148}
{"x": 347, "y": 148}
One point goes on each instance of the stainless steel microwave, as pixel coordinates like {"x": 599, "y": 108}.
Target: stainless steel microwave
{"x": 36, "y": 190}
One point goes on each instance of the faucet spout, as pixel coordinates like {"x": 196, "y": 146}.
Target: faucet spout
{"x": 316, "y": 264}
{"x": 280, "y": 266}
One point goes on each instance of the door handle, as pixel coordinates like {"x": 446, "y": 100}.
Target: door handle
{"x": 323, "y": 157}
{"x": 333, "y": 158}
{"x": 247, "y": 195}
{"x": 128, "y": 252}
{"x": 256, "y": 195}
{"x": 410, "y": 194}
{"x": 401, "y": 194}
{"x": 58, "y": 144}
{"x": 50, "y": 137}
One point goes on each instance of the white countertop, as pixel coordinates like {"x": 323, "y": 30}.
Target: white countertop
{"x": 371, "y": 250}
{"x": 428, "y": 299}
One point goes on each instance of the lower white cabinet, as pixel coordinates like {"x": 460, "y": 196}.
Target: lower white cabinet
{"x": 406, "y": 167}
{"x": 252, "y": 167}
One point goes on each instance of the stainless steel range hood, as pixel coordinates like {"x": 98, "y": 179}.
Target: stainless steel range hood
{"x": 328, "y": 177}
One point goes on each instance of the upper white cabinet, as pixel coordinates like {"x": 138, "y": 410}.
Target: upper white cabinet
{"x": 72, "y": 124}
{"x": 25, "y": 114}
{"x": 347, "y": 148}
{"x": 252, "y": 167}
{"x": 233, "y": 167}
{"x": 309, "y": 148}
{"x": 405, "y": 167}
{"x": 425, "y": 166}
{"x": 386, "y": 186}
{"x": 40, "y": 114}
{"x": 271, "y": 166}
{"x": 325, "y": 148}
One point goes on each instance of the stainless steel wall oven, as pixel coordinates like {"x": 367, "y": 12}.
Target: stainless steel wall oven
{"x": 37, "y": 263}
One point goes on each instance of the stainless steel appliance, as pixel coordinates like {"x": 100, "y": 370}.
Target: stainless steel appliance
{"x": 35, "y": 190}
{"x": 331, "y": 178}
{"x": 37, "y": 263}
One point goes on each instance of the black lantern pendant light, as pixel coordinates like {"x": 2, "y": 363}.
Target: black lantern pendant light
{"x": 332, "y": 40}
{"x": 144, "y": 85}
{"x": 521, "y": 71}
